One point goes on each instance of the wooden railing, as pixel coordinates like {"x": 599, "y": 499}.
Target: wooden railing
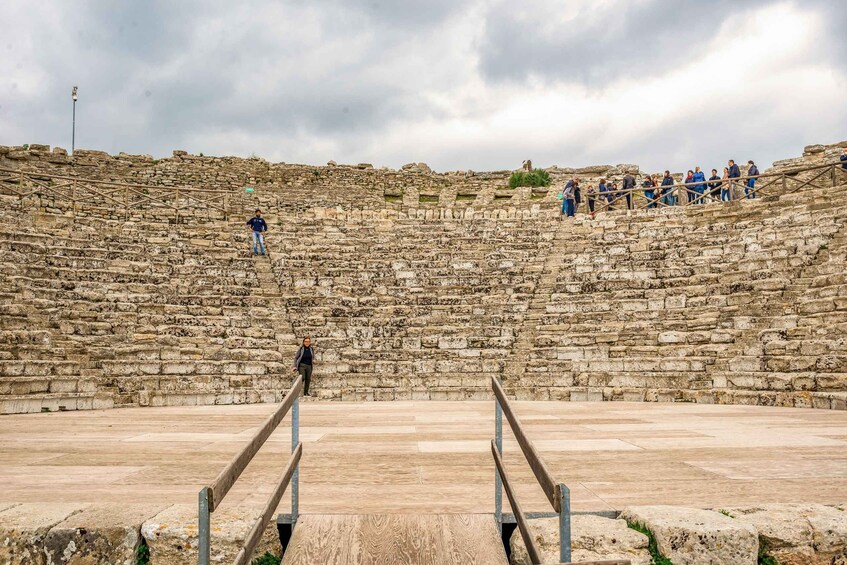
{"x": 686, "y": 194}
{"x": 211, "y": 496}
{"x": 75, "y": 194}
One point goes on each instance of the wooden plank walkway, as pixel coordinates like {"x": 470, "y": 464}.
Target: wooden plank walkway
{"x": 383, "y": 539}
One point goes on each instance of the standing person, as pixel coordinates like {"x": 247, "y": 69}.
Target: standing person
{"x": 689, "y": 187}
{"x": 603, "y": 190}
{"x": 628, "y": 187}
{"x": 700, "y": 187}
{"x": 714, "y": 185}
{"x": 753, "y": 172}
{"x": 734, "y": 175}
{"x": 303, "y": 362}
{"x": 577, "y": 196}
{"x": 612, "y": 195}
{"x": 667, "y": 189}
{"x": 650, "y": 191}
{"x": 568, "y": 203}
{"x": 844, "y": 159}
{"x": 259, "y": 227}
{"x": 726, "y": 194}
{"x": 590, "y": 193}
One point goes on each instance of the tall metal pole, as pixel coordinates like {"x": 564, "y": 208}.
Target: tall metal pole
{"x": 73, "y": 121}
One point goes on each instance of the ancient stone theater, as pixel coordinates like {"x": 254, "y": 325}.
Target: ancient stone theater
{"x": 492, "y": 382}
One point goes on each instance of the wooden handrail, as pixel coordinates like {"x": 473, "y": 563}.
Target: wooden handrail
{"x": 619, "y": 194}
{"x": 542, "y": 474}
{"x": 226, "y": 478}
{"x": 255, "y": 535}
{"x": 520, "y": 517}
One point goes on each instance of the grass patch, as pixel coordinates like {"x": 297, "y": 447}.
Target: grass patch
{"x": 726, "y": 513}
{"x": 766, "y": 558}
{"x": 535, "y": 178}
{"x": 393, "y": 198}
{"x": 142, "y": 554}
{"x": 266, "y": 559}
{"x": 465, "y": 197}
{"x": 428, "y": 199}
{"x": 656, "y": 558}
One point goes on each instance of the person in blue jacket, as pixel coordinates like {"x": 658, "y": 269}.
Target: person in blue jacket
{"x": 844, "y": 159}
{"x": 258, "y": 226}
{"x": 603, "y": 189}
{"x": 700, "y": 188}
{"x": 667, "y": 190}
{"x": 753, "y": 172}
{"x": 568, "y": 198}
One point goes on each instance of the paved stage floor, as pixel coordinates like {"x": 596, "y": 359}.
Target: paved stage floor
{"x": 432, "y": 457}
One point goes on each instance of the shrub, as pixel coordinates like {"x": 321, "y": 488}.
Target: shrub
{"x": 535, "y": 179}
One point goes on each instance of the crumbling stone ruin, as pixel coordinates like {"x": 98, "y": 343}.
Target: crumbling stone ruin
{"x": 412, "y": 285}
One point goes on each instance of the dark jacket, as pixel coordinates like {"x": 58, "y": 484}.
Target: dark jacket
{"x": 258, "y": 224}
{"x": 844, "y": 160}
{"x": 628, "y": 182}
{"x": 714, "y": 182}
{"x": 734, "y": 172}
{"x": 753, "y": 172}
{"x": 667, "y": 181}
{"x": 299, "y": 355}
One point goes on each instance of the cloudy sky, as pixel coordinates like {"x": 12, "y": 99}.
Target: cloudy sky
{"x": 458, "y": 84}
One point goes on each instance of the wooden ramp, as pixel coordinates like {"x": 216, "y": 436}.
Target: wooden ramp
{"x": 382, "y": 539}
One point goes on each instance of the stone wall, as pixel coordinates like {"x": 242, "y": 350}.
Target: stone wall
{"x": 742, "y": 302}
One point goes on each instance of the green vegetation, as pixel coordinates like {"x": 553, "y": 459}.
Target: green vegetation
{"x": 536, "y": 178}
{"x": 656, "y": 558}
{"x": 393, "y": 198}
{"x": 142, "y": 554}
{"x": 460, "y": 197}
{"x": 726, "y": 513}
{"x": 764, "y": 557}
{"x": 427, "y": 199}
{"x": 266, "y": 559}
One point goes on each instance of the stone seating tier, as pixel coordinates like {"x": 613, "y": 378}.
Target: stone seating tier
{"x": 742, "y": 303}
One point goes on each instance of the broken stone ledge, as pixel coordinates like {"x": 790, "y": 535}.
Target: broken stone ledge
{"x": 88, "y": 534}
{"x": 792, "y": 534}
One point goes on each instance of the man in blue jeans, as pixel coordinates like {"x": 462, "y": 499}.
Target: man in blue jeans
{"x": 750, "y": 191}
{"x": 258, "y": 226}
{"x": 568, "y": 198}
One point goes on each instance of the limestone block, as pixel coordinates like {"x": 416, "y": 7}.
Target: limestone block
{"x": 593, "y": 538}
{"x": 691, "y": 536}
{"x": 99, "y": 534}
{"x": 799, "y": 534}
{"x": 172, "y": 534}
{"x": 24, "y": 527}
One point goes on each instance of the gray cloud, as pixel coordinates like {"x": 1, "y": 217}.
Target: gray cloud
{"x": 334, "y": 79}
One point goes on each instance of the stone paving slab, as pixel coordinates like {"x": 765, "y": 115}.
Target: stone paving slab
{"x": 426, "y": 456}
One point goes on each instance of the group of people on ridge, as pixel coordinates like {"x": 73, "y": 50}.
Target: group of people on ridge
{"x": 698, "y": 189}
